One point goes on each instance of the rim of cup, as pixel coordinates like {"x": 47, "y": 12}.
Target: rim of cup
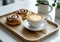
{"x": 42, "y": 18}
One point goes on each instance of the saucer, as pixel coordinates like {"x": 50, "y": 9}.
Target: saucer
{"x": 41, "y": 27}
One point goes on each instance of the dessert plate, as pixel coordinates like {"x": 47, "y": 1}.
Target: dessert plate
{"x": 29, "y": 27}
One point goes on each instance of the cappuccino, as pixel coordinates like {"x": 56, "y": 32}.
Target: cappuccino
{"x": 34, "y": 17}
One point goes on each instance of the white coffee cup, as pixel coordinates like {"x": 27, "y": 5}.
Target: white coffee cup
{"x": 35, "y": 20}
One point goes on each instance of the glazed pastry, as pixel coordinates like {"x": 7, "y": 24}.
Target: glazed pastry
{"x": 23, "y": 13}
{"x": 13, "y": 20}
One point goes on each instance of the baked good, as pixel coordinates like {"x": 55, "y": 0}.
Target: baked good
{"x": 13, "y": 20}
{"x": 23, "y": 13}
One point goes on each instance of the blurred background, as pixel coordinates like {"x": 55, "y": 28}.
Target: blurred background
{"x": 7, "y": 2}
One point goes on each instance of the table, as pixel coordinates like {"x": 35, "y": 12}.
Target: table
{"x": 6, "y": 36}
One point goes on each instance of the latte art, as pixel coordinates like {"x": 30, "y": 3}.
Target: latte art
{"x": 35, "y": 17}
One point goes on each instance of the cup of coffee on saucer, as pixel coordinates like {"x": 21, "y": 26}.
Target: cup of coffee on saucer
{"x": 35, "y": 22}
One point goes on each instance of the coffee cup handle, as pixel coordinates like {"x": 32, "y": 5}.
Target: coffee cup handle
{"x": 45, "y": 21}
{"x": 51, "y": 8}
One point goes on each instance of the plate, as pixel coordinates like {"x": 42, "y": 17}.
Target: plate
{"x": 41, "y": 27}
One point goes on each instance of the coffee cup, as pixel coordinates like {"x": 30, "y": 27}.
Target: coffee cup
{"x": 35, "y": 20}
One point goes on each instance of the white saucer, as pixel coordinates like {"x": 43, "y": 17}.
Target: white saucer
{"x": 27, "y": 25}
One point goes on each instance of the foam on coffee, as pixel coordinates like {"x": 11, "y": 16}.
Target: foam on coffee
{"x": 35, "y": 17}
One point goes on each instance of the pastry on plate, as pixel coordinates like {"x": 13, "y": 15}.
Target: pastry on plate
{"x": 23, "y": 13}
{"x": 13, "y": 20}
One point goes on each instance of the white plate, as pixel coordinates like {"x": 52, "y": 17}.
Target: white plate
{"x": 41, "y": 27}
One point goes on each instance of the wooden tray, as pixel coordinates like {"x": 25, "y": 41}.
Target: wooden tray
{"x": 30, "y": 36}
